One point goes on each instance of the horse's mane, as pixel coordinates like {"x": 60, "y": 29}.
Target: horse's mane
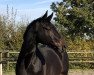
{"x": 30, "y": 26}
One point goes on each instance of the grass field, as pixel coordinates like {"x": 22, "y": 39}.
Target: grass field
{"x": 71, "y": 72}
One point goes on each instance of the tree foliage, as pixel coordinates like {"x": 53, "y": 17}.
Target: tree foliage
{"x": 75, "y": 17}
{"x": 11, "y": 37}
{"x": 11, "y": 32}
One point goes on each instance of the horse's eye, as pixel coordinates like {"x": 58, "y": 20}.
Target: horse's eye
{"x": 47, "y": 28}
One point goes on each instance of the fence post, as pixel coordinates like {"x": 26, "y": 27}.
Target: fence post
{"x": 7, "y": 61}
{"x": 0, "y": 63}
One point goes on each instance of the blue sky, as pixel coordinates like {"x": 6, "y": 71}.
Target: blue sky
{"x": 30, "y": 9}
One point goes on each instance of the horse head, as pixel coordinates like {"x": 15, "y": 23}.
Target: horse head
{"x": 47, "y": 33}
{"x": 43, "y": 31}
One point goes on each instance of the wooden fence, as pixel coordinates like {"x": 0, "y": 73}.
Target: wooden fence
{"x": 74, "y": 57}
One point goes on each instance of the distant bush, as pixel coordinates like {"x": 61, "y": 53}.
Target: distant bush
{"x": 11, "y": 31}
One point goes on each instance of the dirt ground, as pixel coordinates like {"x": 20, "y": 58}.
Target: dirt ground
{"x": 81, "y": 72}
{"x": 71, "y": 72}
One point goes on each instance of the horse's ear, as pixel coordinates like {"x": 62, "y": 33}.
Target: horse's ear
{"x": 45, "y": 15}
{"x": 49, "y": 17}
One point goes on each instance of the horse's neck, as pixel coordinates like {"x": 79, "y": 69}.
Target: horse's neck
{"x": 29, "y": 43}
{"x": 56, "y": 51}
{"x": 26, "y": 49}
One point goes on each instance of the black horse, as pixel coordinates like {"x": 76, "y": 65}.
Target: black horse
{"x": 50, "y": 59}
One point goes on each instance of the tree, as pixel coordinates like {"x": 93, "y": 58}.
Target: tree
{"x": 75, "y": 17}
{"x": 2, "y": 32}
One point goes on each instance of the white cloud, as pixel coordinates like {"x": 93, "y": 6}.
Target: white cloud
{"x": 42, "y": 2}
{"x": 45, "y": 1}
